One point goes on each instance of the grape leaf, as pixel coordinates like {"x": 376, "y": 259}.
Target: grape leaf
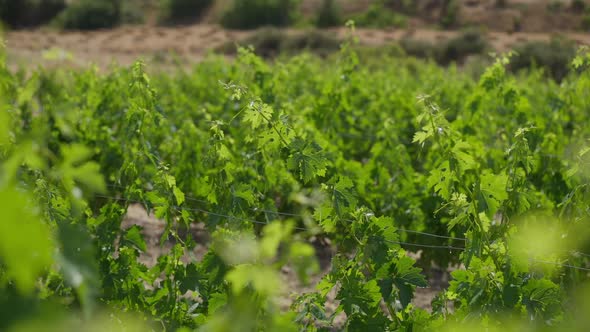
{"x": 539, "y": 294}
{"x": 343, "y": 197}
{"x": 133, "y": 236}
{"x": 441, "y": 179}
{"x": 308, "y": 159}
{"x": 461, "y": 152}
{"x": 407, "y": 273}
{"x": 257, "y": 114}
{"x": 493, "y": 191}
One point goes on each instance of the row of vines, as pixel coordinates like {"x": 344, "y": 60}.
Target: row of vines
{"x": 381, "y": 156}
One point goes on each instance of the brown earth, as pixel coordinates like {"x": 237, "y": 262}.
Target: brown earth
{"x": 516, "y": 22}
{"x": 164, "y": 45}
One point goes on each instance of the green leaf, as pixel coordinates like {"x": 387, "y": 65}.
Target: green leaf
{"x": 387, "y": 227}
{"x": 263, "y": 279}
{"x": 324, "y": 215}
{"x": 274, "y": 233}
{"x": 441, "y": 179}
{"x": 89, "y": 176}
{"x": 245, "y": 192}
{"x": 406, "y": 272}
{"x": 318, "y": 312}
{"x": 578, "y": 62}
{"x": 356, "y": 292}
{"x": 26, "y": 246}
{"x": 421, "y": 137}
{"x": 133, "y": 236}
{"x": 257, "y": 114}
{"x": 461, "y": 152}
{"x": 74, "y": 168}
{"x": 308, "y": 159}
{"x": 26, "y": 93}
{"x": 493, "y": 191}
{"x": 302, "y": 257}
{"x": 170, "y": 180}
{"x": 179, "y": 195}
{"x": 4, "y": 126}
{"x": 191, "y": 279}
{"x": 343, "y": 198}
{"x": 223, "y": 152}
{"x": 217, "y": 301}
{"x": 78, "y": 263}
{"x": 485, "y": 222}
{"x": 406, "y": 293}
{"x": 25, "y": 153}
{"x": 325, "y": 286}
{"x": 539, "y": 294}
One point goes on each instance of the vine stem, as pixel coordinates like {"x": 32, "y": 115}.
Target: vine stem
{"x": 283, "y": 140}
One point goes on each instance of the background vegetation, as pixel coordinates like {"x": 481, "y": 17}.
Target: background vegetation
{"x": 248, "y": 14}
{"x": 380, "y": 156}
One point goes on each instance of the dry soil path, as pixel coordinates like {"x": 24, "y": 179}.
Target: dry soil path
{"x": 162, "y": 45}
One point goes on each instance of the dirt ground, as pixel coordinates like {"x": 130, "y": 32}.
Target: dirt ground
{"x": 153, "y": 229}
{"x": 161, "y": 45}
{"x": 516, "y": 22}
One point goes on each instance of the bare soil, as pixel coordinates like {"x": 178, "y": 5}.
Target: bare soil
{"x": 516, "y": 22}
{"x": 165, "y": 45}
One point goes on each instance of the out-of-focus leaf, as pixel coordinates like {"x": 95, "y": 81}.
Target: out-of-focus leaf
{"x": 4, "y": 125}
{"x": 263, "y": 279}
{"x": 77, "y": 260}
{"x": 302, "y": 255}
{"x": 26, "y": 245}
{"x": 76, "y": 169}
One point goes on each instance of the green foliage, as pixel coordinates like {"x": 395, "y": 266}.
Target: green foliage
{"x": 91, "y": 14}
{"x": 578, "y": 5}
{"x": 554, "y": 6}
{"x": 379, "y": 16}
{"x": 181, "y": 10}
{"x": 501, "y": 3}
{"x": 26, "y": 247}
{"x": 450, "y": 13}
{"x": 586, "y": 21}
{"x": 456, "y": 49}
{"x": 418, "y": 48}
{"x": 251, "y": 14}
{"x": 328, "y": 15}
{"x": 22, "y": 13}
{"x": 554, "y": 56}
{"x": 272, "y": 42}
{"x": 132, "y": 12}
{"x": 244, "y": 162}
{"x": 404, "y": 6}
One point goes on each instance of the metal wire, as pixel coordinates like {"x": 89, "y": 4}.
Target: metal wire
{"x": 402, "y": 230}
{"x": 178, "y": 208}
{"x": 431, "y": 246}
{"x": 580, "y": 253}
{"x": 561, "y": 265}
{"x": 221, "y": 215}
{"x": 231, "y": 217}
{"x": 409, "y": 244}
